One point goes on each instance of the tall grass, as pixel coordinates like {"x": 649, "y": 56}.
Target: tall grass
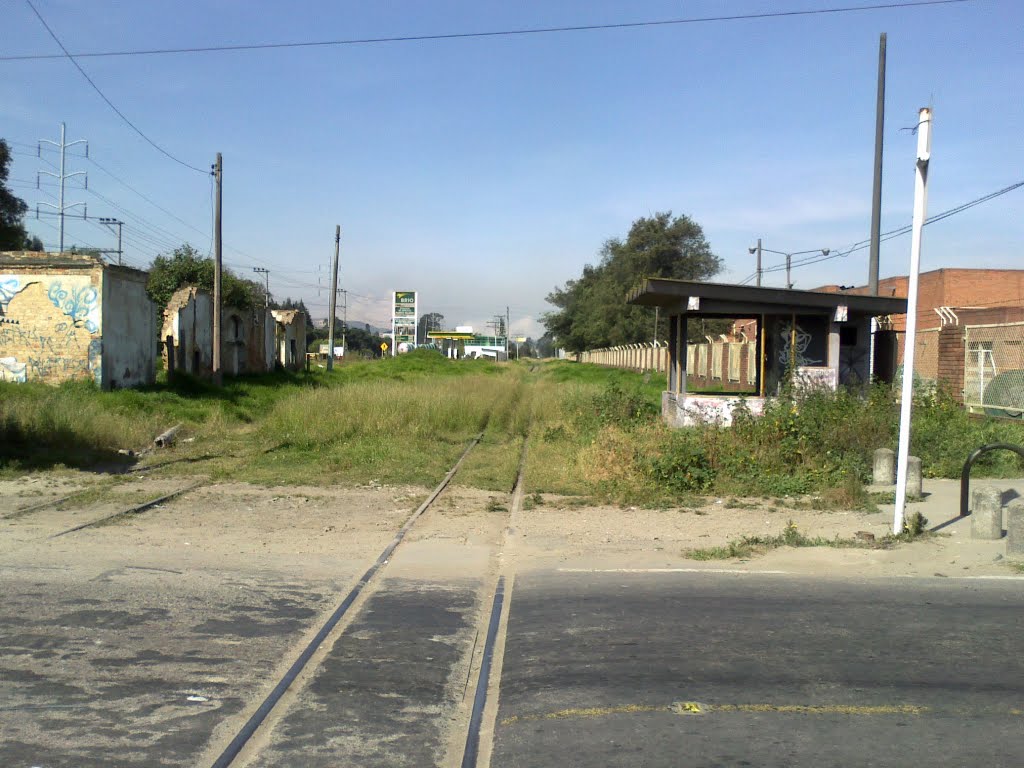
{"x": 593, "y": 431}
{"x": 402, "y": 410}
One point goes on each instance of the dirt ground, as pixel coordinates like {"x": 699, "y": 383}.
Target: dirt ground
{"x": 302, "y": 528}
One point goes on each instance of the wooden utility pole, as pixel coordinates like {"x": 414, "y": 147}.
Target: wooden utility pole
{"x": 334, "y": 299}
{"x": 218, "y": 178}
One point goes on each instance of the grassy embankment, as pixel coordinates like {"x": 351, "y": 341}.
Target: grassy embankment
{"x": 594, "y": 432}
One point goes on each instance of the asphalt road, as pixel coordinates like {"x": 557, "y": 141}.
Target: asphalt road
{"x": 144, "y": 666}
{"x": 683, "y": 669}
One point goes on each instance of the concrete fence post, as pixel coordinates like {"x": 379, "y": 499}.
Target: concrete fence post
{"x": 884, "y": 472}
{"x": 987, "y": 513}
{"x": 1015, "y": 527}
{"x": 915, "y": 489}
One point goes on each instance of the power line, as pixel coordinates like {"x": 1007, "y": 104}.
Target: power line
{"x": 862, "y": 244}
{"x": 156, "y": 205}
{"x": 103, "y": 96}
{"x": 485, "y": 34}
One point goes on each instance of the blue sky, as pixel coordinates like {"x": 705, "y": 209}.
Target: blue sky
{"x": 484, "y": 172}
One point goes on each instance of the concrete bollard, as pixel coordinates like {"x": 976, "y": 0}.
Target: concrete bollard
{"x": 914, "y": 489}
{"x": 1015, "y": 527}
{"x": 987, "y": 513}
{"x": 885, "y": 467}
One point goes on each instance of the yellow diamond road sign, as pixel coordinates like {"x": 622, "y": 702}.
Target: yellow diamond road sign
{"x": 383, "y": 346}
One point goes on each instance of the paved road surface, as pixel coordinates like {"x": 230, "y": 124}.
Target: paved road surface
{"x": 682, "y": 669}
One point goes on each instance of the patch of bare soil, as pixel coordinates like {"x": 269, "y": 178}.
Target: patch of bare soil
{"x": 559, "y": 534}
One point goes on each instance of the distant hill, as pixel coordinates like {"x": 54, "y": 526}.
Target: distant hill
{"x": 321, "y": 322}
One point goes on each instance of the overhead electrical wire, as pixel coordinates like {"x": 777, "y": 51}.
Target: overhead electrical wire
{"x": 492, "y": 33}
{"x": 103, "y": 96}
{"x": 897, "y": 232}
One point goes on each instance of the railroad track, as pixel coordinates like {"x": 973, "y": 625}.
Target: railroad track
{"x": 243, "y": 746}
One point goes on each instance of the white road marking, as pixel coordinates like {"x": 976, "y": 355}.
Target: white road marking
{"x": 669, "y": 570}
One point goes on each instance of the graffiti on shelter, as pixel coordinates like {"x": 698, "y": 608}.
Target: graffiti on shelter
{"x": 801, "y": 347}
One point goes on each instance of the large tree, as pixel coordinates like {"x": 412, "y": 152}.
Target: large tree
{"x": 430, "y": 321}
{"x": 592, "y": 311}
{"x": 185, "y": 266}
{"x": 13, "y": 236}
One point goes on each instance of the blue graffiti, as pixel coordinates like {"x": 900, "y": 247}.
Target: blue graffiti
{"x": 8, "y": 288}
{"x": 76, "y": 304}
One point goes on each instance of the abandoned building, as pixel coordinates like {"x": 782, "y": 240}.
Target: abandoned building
{"x": 252, "y": 340}
{"x": 824, "y": 339}
{"x": 289, "y": 338}
{"x": 68, "y": 316}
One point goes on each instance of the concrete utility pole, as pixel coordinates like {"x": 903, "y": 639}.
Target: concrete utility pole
{"x": 110, "y": 224}
{"x": 508, "y": 321}
{"x": 876, "y": 191}
{"x": 757, "y": 250}
{"x": 924, "y": 151}
{"x": 218, "y": 299}
{"x": 266, "y": 273}
{"x": 61, "y": 176}
{"x": 334, "y": 298}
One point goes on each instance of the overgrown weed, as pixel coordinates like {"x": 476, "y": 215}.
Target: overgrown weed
{"x": 749, "y": 546}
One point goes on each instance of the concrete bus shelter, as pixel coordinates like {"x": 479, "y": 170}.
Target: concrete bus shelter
{"x": 825, "y": 339}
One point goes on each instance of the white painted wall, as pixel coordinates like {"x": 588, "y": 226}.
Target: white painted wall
{"x": 129, "y": 331}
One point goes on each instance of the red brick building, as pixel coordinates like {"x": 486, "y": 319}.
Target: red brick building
{"x": 951, "y": 348}
{"x": 957, "y": 289}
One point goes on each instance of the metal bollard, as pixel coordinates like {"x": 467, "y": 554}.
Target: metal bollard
{"x": 987, "y": 513}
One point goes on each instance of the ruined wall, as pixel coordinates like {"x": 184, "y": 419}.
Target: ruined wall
{"x": 246, "y": 335}
{"x": 52, "y": 326}
{"x": 290, "y": 340}
{"x": 129, "y": 330}
{"x": 189, "y": 320}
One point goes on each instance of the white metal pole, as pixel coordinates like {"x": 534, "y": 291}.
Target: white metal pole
{"x": 60, "y": 201}
{"x": 924, "y": 148}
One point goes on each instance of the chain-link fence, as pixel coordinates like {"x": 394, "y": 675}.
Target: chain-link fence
{"x": 994, "y": 369}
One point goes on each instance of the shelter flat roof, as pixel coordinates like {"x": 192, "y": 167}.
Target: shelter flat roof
{"x": 454, "y": 335}
{"x": 736, "y": 300}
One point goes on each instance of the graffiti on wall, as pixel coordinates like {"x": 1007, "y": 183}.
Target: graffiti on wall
{"x": 52, "y": 335}
{"x": 8, "y": 288}
{"x": 76, "y": 303}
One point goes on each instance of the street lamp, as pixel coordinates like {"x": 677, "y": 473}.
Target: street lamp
{"x": 758, "y": 249}
{"x": 110, "y": 224}
{"x": 266, "y": 273}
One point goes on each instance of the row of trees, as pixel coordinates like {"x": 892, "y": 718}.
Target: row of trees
{"x": 591, "y": 310}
